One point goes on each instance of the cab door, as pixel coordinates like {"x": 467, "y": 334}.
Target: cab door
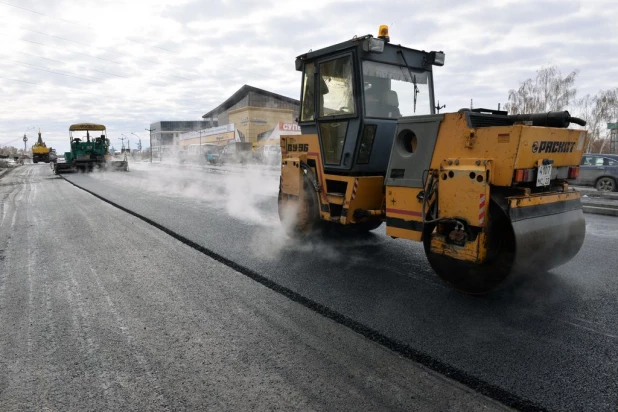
{"x": 337, "y": 110}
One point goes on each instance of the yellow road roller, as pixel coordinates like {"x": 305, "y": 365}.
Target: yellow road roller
{"x": 486, "y": 192}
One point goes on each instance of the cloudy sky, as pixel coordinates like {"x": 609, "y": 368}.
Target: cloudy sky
{"x": 127, "y": 64}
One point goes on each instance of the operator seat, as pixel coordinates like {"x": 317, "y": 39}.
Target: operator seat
{"x": 391, "y": 103}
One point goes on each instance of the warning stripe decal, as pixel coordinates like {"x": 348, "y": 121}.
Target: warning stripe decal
{"x": 482, "y": 209}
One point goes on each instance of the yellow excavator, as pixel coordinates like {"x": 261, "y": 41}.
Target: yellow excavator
{"x": 486, "y": 192}
{"x": 40, "y": 152}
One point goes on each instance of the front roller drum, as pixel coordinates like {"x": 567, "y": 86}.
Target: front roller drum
{"x": 531, "y": 246}
{"x": 300, "y": 215}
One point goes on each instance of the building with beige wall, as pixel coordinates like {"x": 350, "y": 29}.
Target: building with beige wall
{"x": 254, "y": 112}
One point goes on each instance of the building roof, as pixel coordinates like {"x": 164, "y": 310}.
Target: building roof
{"x": 240, "y": 94}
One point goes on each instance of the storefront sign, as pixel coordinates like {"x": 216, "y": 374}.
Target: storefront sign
{"x": 207, "y": 132}
{"x": 289, "y": 127}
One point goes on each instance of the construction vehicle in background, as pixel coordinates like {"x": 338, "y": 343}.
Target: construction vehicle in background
{"x": 40, "y": 152}
{"x": 89, "y": 151}
{"x": 484, "y": 191}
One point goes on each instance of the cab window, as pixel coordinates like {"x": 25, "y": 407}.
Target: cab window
{"x": 336, "y": 88}
{"x": 308, "y": 109}
{"x": 394, "y": 91}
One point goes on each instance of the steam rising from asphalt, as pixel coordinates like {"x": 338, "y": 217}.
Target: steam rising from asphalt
{"x": 245, "y": 193}
{"x": 239, "y": 191}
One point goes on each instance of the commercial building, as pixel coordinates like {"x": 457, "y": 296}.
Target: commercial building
{"x": 249, "y": 115}
{"x": 254, "y": 112}
{"x": 165, "y": 133}
{"x": 222, "y": 135}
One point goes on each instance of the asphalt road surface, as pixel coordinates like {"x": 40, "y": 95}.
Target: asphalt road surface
{"x": 547, "y": 341}
{"x": 102, "y": 311}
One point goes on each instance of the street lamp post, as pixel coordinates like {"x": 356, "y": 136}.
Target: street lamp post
{"x": 139, "y": 144}
{"x": 201, "y": 153}
{"x": 150, "y": 130}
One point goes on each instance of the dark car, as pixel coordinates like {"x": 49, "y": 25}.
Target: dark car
{"x": 600, "y": 171}
{"x": 237, "y": 152}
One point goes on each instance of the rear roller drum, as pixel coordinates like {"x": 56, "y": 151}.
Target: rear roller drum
{"x": 478, "y": 279}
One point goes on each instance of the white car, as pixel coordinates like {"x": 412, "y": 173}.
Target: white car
{"x": 272, "y": 154}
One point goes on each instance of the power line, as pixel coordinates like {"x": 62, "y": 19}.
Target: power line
{"x": 112, "y": 74}
{"x": 71, "y": 88}
{"x": 78, "y": 24}
{"x": 42, "y": 14}
{"x": 129, "y": 39}
{"x": 61, "y": 62}
{"x": 17, "y": 80}
{"x": 88, "y": 68}
{"x": 87, "y": 45}
{"x": 112, "y": 61}
{"x": 108, "y": 60}
{"x": 35, "y": 67}
{"x": 149, "y": 103}
{"x": 71, "y": 51}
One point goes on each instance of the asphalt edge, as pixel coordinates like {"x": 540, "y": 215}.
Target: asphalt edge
{"x": 491, "y": 391}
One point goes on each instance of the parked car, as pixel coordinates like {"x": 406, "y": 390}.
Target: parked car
{"x": 237, "y": 152}
{"x": 272, "y": 154}
{"x": 600, "y": 171}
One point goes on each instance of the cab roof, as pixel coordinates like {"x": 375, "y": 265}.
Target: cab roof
{"x": 86, "y": 126}
{"x": 356, "y": 42}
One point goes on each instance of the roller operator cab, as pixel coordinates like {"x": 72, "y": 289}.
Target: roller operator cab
{"x": 486, "y": 192}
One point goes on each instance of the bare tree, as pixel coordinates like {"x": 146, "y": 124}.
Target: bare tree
{"x": 598, "y": 110}
{"x": 549, "y": 91}
{"x": 585, "y": 108}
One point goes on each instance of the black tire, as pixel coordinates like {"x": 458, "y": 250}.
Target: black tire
{"x": 606, "y": 184}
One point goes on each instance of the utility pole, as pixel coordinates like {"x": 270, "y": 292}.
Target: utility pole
{"x": 25, "y": 139}
{"x": 438, "y": 107}
{"x": 150, "y": 130}
{"x": 122, "y": 139}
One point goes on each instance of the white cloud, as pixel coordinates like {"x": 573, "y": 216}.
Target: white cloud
{"x": 154, "y": 60}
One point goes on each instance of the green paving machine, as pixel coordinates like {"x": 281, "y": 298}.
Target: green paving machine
{"x": 89, "y": 151}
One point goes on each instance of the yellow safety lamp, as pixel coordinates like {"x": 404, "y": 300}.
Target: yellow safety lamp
{"x": 383, "y": 33}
